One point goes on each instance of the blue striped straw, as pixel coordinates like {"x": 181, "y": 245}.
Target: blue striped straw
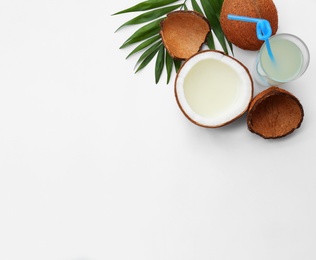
{"x": 263, "y": 29}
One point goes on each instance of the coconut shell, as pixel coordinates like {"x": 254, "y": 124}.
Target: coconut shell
{"x": 274, "y": 113}
{"x": 243, "y": 34}
{"x": 183, "y": 33}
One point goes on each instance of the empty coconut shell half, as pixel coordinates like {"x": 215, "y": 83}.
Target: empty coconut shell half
{"x": 243, "y": 34}
{"x": 274, "y": 113}
{"x": 183, "y": 33}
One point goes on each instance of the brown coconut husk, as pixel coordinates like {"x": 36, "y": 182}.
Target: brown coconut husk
{"x": 243, "y": 34}
{"x": 274, "y": 113}
{"x": 183, "y": 33}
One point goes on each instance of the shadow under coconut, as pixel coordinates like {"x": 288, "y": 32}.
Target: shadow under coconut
{"x": 225, "y": 131}
{"x": 236, "y": 124}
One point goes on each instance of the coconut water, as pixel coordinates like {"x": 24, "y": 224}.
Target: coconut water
{"x": 288, "y": 60}
{"x": 211, "y": 87}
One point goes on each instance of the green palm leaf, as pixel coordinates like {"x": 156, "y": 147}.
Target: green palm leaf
{"x": 144, "y": 44}
{"x": 177, "y": 64}
{"x": 146, "y": 5}
{"x": 217, "y": 6}
{"x": 150, "y": 15}
{"x": 159, "y": 63}
{"x": 147, "y": 56}
{"x": 142, "y": 33}
{"x": 148, "y": 51}
{"x": 196, "y": 7}
{"x": 169, "y": 66}
{"x": 210, "y": 41}
{"x": 214, "y": 21}
{"x": 149, "y": 39}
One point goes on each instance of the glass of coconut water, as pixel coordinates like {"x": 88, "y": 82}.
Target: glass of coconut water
{"x": 290, "y": 60}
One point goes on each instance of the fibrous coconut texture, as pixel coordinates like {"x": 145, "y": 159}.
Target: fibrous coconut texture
{"x": 183, "y": 33}
{"x": 274, "y": 113}
{"x": 243, "y": 34}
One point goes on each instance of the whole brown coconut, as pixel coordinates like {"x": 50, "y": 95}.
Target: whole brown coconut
{"x": 274, "y": 113}
{"x": 243, "y": 34}
{"x": 183, "y": 33}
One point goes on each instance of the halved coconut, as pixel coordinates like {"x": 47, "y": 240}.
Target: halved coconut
{"x": 213, "y": 89}
{"x": 274, "y": 113}
{"x": 183, "y": 33}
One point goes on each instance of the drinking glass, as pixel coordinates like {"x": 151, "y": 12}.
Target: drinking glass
{"x": 290, "y": 60}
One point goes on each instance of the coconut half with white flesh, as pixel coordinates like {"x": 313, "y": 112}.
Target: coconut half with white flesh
{"x": 213, "y": 89}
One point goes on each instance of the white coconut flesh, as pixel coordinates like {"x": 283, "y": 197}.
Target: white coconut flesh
{"x": 213, "y": 89}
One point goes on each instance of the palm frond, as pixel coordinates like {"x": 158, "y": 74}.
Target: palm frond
{"x": 148, "y": 39}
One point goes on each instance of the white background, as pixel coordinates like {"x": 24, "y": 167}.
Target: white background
{"x": 97, "y": 162}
